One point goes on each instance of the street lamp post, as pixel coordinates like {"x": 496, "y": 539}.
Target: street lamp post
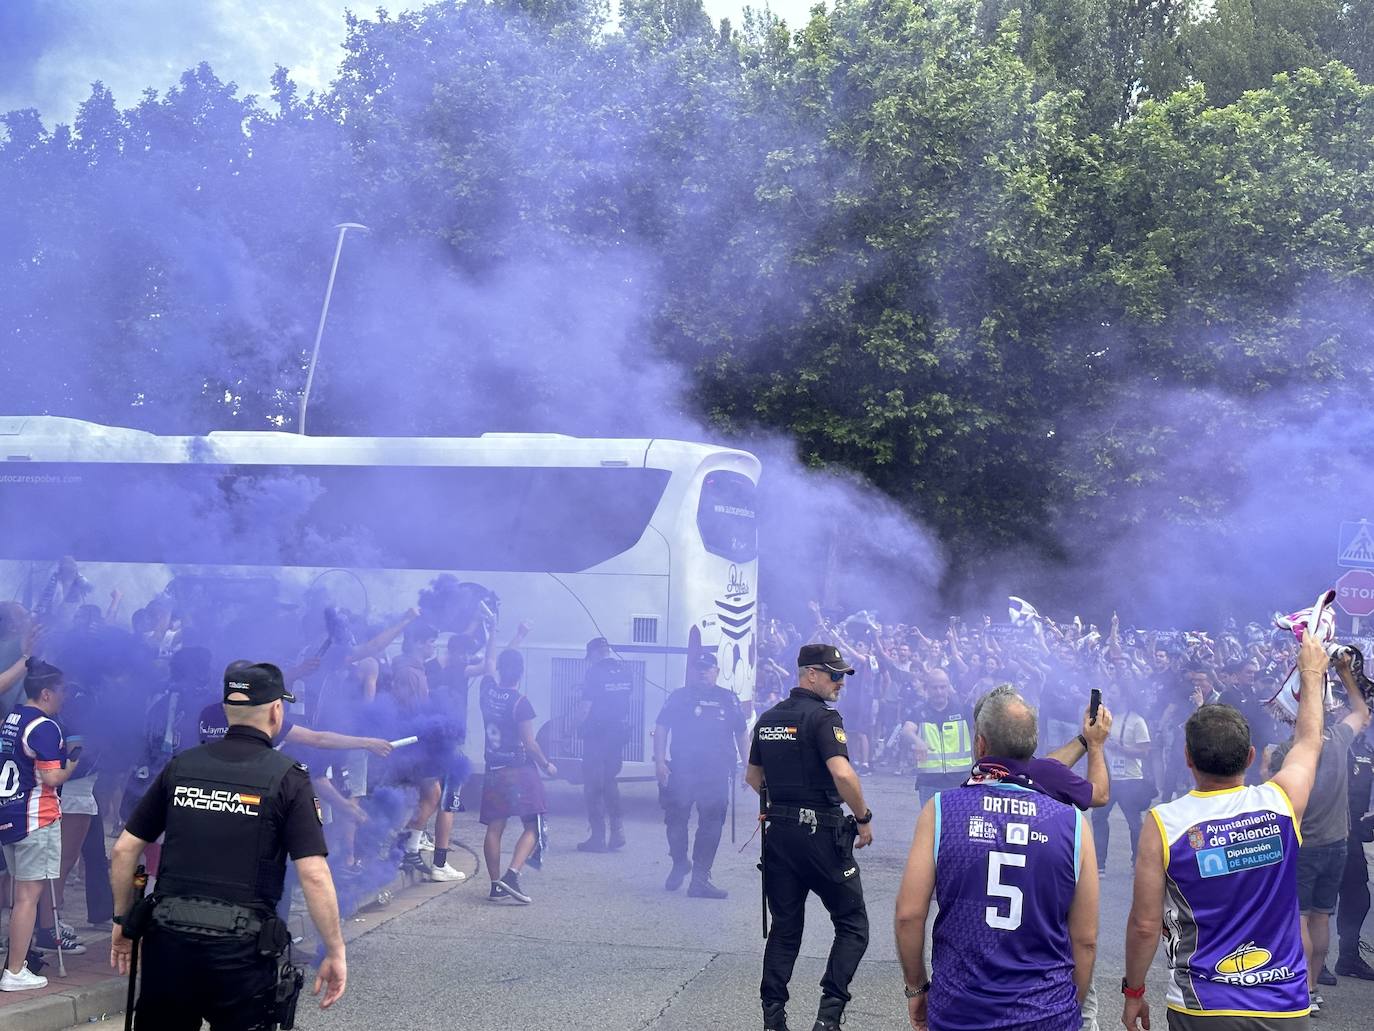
{"x": 343, "y": 228}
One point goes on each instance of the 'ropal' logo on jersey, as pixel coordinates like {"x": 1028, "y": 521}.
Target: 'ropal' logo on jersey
{"x": 1246, "y": 958}
{"x": 1248, "y": 966}
{"x": 768, "y": 733}
{"x": 217, "y": 800}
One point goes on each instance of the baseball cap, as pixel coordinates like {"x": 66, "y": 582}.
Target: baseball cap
{"x": 825, "y": 655}
{"x": 255, "y": 684}
{"x": 704, "y": 660}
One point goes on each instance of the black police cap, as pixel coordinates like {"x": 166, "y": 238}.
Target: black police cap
{"x": 826, "y": 656}
{"x": 255, "y": 684}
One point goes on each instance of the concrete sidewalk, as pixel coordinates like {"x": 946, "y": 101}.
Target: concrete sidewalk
{"x": 90, "y": 994}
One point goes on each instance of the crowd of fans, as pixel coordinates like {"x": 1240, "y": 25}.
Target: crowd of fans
{"x": 115, "y": 693}
{"x": 909, "y": 711}
{"x": 381, "y": 712}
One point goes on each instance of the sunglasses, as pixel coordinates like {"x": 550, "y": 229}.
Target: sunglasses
{"x": 835, "y": 678}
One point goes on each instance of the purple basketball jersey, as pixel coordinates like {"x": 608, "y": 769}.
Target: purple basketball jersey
{"x": 1006, "y": 868}
{"x": 1232, "y": 935}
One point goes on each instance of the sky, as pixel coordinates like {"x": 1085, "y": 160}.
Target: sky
{"x": 51, "y": 50}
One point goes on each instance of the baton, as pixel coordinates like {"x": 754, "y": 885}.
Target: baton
{"x": 734, "y": 790}
{"x": 140, "y": 888}
{"x": 401, "y": 742}
{"x": 763, "y": 850}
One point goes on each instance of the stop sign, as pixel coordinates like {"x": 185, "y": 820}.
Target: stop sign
{"x": 1355, "y": 592}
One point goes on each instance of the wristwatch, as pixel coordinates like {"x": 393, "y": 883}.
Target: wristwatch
{"x": 1132, "y": 993}
{"x": 866, "y": 818}
{"x": 915, "y": 993}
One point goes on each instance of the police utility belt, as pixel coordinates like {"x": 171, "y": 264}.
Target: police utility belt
{"x": 211, "y": 918}
{"x": 812, "y": 818}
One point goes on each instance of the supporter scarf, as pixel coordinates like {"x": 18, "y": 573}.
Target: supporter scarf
{"x": 1047, "y": 776}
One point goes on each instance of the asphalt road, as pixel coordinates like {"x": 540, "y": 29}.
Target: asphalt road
{"x": 603, "y": 946}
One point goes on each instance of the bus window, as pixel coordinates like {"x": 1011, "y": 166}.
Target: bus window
{"x": 517, "y": 519}
{"x": 726, "y": 516}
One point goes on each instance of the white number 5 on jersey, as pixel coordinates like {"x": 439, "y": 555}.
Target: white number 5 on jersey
{"x": 998, "y": 890}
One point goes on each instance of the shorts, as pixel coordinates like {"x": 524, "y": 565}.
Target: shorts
{"x": 37, "y": 857}
{"x": 78, "y": 797}
{"x": 1320, "y": 869}
{"x": 1235, "y": 1022}
{"x": 511, "y": 791}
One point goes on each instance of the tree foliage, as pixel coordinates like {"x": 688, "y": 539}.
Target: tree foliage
{"x": 1003, "y": 258}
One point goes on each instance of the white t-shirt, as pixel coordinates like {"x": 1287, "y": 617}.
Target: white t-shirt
{"x": 1130, "y": 730}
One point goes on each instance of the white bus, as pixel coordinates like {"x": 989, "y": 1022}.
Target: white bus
{"x": 650, "y": 543}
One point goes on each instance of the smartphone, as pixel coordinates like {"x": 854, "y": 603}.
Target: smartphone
{"x": 1094, "y": 703}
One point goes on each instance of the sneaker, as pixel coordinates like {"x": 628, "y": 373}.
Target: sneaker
{"x": 1354, "y": 966}
{"x": 498, "y": 892}
{"x": 511, "y": 882}
{"x": 66, "y": 929}
{"x": 45, "y": 941}
{"x": 702, "y": 888}
{"x": 1325, "y": 976}
{"x": 681, "y": 868}
{"x": 617, "y": 840}
{"x": 447, "y": 873}
{"x": 426, "y": 842}
{"x": 595, "y": 843}
{"x": 413, "y": 866}
{"x": 23, "y": 981}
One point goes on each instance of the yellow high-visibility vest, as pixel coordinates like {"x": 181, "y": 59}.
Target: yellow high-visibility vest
{"x": 949, "y": 747}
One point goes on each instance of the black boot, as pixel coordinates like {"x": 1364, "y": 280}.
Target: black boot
{"x": 829, "y": 1015}
{"x": 775, "y": 1018}
{"x": 596, "y": 837}
{"x": 702, "y": 888}
{"x": 681, "y": 868}
{"x": 1353, "y": 965}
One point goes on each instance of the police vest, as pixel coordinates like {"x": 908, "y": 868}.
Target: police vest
{"x": 949, "y": 749}
{"x": 793, "y": 769}
{"x": 221, "y": 841}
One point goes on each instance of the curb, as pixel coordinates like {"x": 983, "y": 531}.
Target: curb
{"x": 105, "y": 999}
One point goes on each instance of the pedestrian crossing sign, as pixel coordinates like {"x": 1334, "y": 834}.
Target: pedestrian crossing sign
{"x": 1355, "y": 547}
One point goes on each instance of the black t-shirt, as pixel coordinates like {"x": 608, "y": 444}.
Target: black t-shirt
{"x": 704, "y": 723}
{"x": 294, "y": 811}
{"x": 607, "y": 691}
{"x": 448, "y": 686}
{"x": 503, "y": 710}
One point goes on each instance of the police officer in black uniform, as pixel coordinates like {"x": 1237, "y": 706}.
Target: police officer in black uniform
{"x": 605, "y": 727}
{"x": 799, "y": 763}
{"x": 703, "y": 729}
{"x": 232, "y": 812}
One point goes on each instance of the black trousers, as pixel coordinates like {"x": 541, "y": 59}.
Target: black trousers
{"x": 1134, "y": 797}
{"x": 1353, "y": 905}
{"x": 797, "y": 862}
{"x": 710, "y": 794}
{"x": 600, "y": 766}
{"x": 99, "y": 896}
{"x": 187, "y": 979}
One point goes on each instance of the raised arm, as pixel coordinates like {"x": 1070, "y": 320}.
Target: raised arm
{"x": 1358, "y": 717}
{"x": 1300, "y": 767}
